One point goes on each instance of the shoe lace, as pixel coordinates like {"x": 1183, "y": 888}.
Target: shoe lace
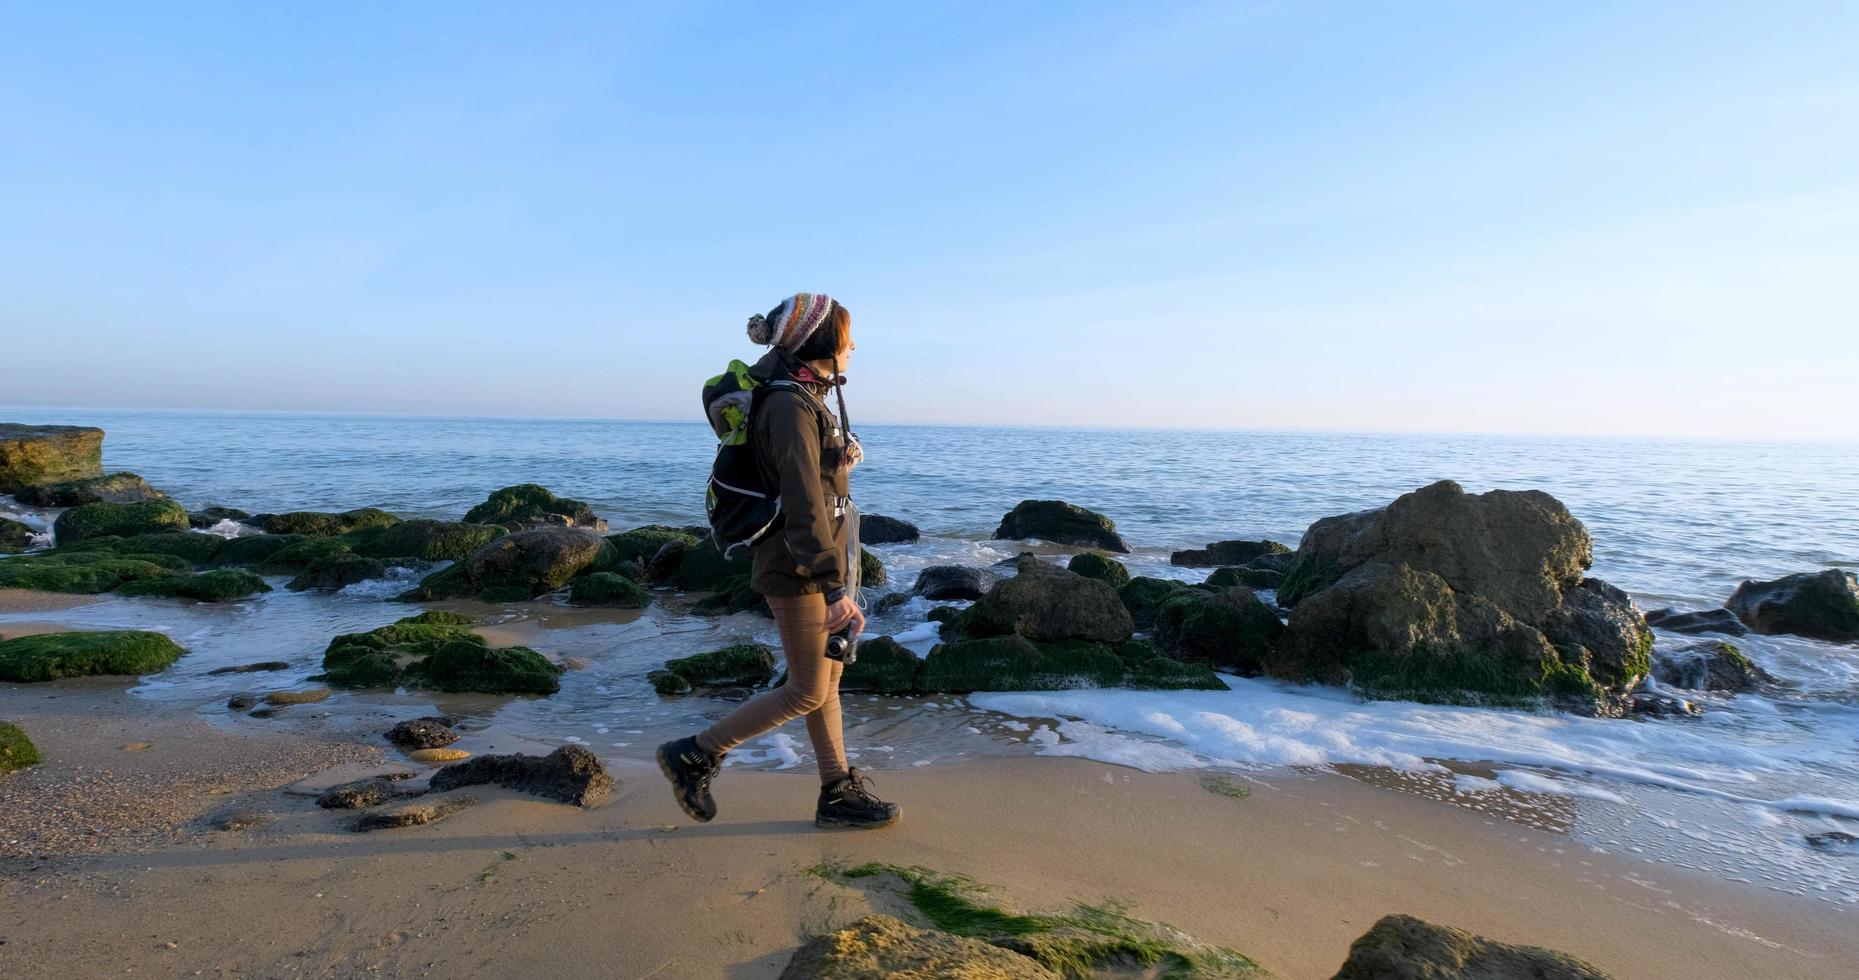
{"x": 855, "y": 787}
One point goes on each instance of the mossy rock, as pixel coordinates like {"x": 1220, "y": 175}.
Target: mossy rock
{"x": 462, "y": 666}
{"x": 1143, "y": 595}
{"x": 208, "y": 517}
{"x": 608, "y": 589}
{"x": 518, "y": 566}
{"x": 741, "y": 665}
{"x": 319, "y": 524}
{"x": 883, "y": 666}
{"x": 14, "y": 536}
{"x": 34, "y": 454}
{"x": 1106, "y": 570}
{"x": 1307, "y": 576}
{"x": 304, "y": 553}
{"x": 96, "y": 520}
{"x": 1014, "y": 663}
{"x": 870, "y": 569}
{"x": 426, "y": 540}
{"x": 1231, "y": 628}
{"x": 254, "y": 549}
{"x": 197, "y": 549}
{"x": 218, "y": 585}
{"x": 1401, "y": 947}
{"x": 114, "y": 488}
{"x": 1164, "y": 674}
{"x": 1227, "y": 553}
{"x": 1251, "y": 578}
{"x": 532, "y": 505}
{"x": 943, "y": 614}
{"x": 1048, "y": 603}
{"x": 641, "y": 543}
{"x": 704, "y": 568}
{"x": 85, "y": 573}
{"x": 1061, "y": 523}
{"x": 49, "y": 656}
{"x": 733, "y": 596}
{"x": 336, "y": 572}
{"x": 16, "y": 750}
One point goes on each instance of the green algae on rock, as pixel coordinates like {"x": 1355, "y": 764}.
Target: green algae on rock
{"x": 1015, "y": 663}
{"x": 878, "y": 946}
{"x": 429, "y": 650}
{"x": 426, "y": 540}
{"x": 218, "y": 585}
{"x": 115, "y": 488}
{"x": 884, "y": 666}
{"x": 1401, "y": 947}
{"x": 704, "y": 568}
{"x": 14, "y": 536}
{"x": 1226, "y": 553}
{"x": 1106, "y": 570}
{"x": 472, "y": 666}
{"x": 641, "y": 543}
{"x": 741, "y": 665}
{"x": 49, "y": 656}
{"x": 608, "y": 589}
{"x": 31, "y": 455}
{"x": 85, "y": 572}
{"x": 1230, "y": 629}
{"x": 518, "y": 566}
{"x": 96, "y": 520}
{"x": 320, "y": 524}
{"x": 16, "y": 750}
{"x": 1823, "y": 605}
{"x": 532, "y": 505}
{"x": 1060, "y": 523}
{"x": 199, "y": 549}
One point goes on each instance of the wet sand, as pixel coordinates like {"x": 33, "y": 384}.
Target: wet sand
{"x": 125, "y": 874}
{"x": 29, "y": 601}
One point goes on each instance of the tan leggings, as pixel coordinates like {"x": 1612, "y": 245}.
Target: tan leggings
{"x": 812, "y": 689}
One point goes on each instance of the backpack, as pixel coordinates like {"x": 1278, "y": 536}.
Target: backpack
{"x": 743, "y": 504}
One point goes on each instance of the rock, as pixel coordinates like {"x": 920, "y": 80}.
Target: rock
{"x": 1833, "y": 840}
{"x": 1822, "y": 605}
{"x": 1061, "y": 523}
{"x": 1252, "y": 578}
{"x": 665, "y": 561}
{"x": 1401, "y": 947}
{"x": 357, "y": 795}
{"x": 14, "y": 536}
{"x": 1597, "y": 627}
{"x": 1700, "y": 621}
{"x": 16, "y": 750}
{"x": 1517, "y": 549}
{"x": 742, "y": 665}
{"x": 196, "y": 549}
{"x": 1230, "y": 629}
{"x": 96, "y": 520}
{"x": 1653, "y": 704}
{"x": 439, "y": 651}
{"x": 336, "y": 572}
{"x": 530, "y": 505}
{"x": 890, "y": 601}
{"x": 1710, "y": 665}
{"x": 278, "y": 699}
{"x": 1106, "y": 570}
{"x": 1226, "y": 553}
{"x": 472, "y": 666}
{"x": 413, "y": 814}
{"x": 878, "y": 947}
{"x": 265, "y": 665}
{"x": 218, "y": 585}
{"x": 438, "y": 755}
{"x": 1015, "y": 663}
{"x": 237, "y": 820}
{"x": 1152, "y": 670}
{"x": 1279, "y": 563}
{"x": 318, "y": 524}
{"x": 1395, "y": 632}
{"x": 942, "y": 583}
{"x": 84, "y": 572}
{"x": 116, "y": 488}
{"x": 884, "y": 666}
{"x": 31, "y": 455}
{"x": 1143, "y": 595}
{"x": 253, "y": 549}
{"x": 943, "y": 614}
{"x": 302, "y": 553}
{"x": 49, "y": 656}
{"x": 870, "y": 569}
{"x": 874, "y": 529}
{"x": 1055, "y": 605}
{"x": 609, "y": 589}
{"x": 426, "y": 540}
{"x": 737, "y": 594}
{"x": 570, "y": 774}
{"x": 518, "y": 566}
{"x": 212, "y": 516}
{"x": 703, "y": 568}
{"x": 641, "y": 543}
{"x": 422, "y": 733}
{"x": 242, "y": 702}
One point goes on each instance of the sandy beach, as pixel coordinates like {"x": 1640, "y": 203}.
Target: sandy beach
{"x": 113, "y": 867}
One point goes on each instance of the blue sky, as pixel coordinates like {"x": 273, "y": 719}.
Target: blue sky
{"x": 1608, "y": 218}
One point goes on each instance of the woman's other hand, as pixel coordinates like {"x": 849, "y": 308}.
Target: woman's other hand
{"x": 843, "y": 613}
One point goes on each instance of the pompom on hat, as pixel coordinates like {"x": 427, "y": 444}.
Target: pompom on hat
{"x": 792, "y": 322}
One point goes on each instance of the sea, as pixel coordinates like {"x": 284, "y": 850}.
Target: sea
{"x": 1762, "y": 788}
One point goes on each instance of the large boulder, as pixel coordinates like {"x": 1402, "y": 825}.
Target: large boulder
{"x": 879, "y": 947}
{"x": 199, "y": 549}
{"x": 1061, "y": 523}
{"x": 1109, "y": 571}
{"x": 883, "y": 666}
{"x": 641, "y": 544}
{"x": 1823, "y": 605}
{"x": 1229, "y": 629}
{"x": 703, "y": 567}
{"x": 34, "y": 454}
{"x": 49, "y": 656}
{"x": 1518, "y": 549}
{"x": 1708, "y": 665}
{"x": 518, "y": 566}
{"x": 943, "y": 583}
{"x": 570, "y": 774}
{"x": 319, "y": 524}
{"x": 1597, "y": 627}
{"x": 426, "y": 540}
{"x": 1143, "y": 596}
{"x": 1050, "y": 604}
{"x": 1226, "y": 553}
{"x": 1015, "y": 663}
{"x": 1401, "y": 947}
{"x": 96, "y": 520}
{"x": 874, "y": 529}
{"x": 116, "y": 488}
{"x": 530, "y": 505}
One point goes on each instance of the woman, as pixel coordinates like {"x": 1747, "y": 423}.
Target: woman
{"x": 801, "y": 571}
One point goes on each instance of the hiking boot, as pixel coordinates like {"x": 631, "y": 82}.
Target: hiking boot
{"x": 847, "y": 803}
{"x": 690, "y": 770}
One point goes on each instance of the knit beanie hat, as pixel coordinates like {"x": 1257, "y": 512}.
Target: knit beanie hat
{"x": 792, "y": 322}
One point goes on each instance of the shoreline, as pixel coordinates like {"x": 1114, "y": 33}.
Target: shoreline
{"x": 1289, "y": 875}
